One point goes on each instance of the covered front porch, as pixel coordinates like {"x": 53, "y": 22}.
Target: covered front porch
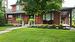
{"x": 58, "y": 18}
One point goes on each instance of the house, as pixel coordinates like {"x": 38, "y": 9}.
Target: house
{"x": 17, "y": 16}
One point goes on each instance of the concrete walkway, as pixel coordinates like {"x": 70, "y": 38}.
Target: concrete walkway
{"x": 9, "y": 29}
{"x": 72, "y": 29}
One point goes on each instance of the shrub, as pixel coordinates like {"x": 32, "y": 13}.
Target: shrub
{"x": 53, "y": 26}
{"x": 73, "y": 26}
{"x": 2, "y": 21}
{"x": 44, "y": 26}
{"x": 60, "y": 27}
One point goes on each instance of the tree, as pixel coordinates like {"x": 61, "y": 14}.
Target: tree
{"x": 40, "y": 6}
{"x": 2, "y": 21}
{"x": 0, "y": 3}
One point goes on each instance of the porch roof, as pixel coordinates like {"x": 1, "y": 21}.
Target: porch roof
{"x": 67, "y": 8}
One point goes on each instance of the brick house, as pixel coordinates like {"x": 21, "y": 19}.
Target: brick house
{"x": 64, "y": 16}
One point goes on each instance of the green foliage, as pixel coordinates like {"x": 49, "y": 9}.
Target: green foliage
{"x": 45, "y": 26}
{"x": 0, "y": 4}
{"x": 60, "y": 27}
{"x": 73, "y": 22}
{"x": 41, "y": 6}
{"x": 2, "y": 17}
{"x": 73, "y": 26}
{"x": 53, "y": 26}
{"x": 19, "y": 19}
{"x": 4, "y": 27}
{"x": 2, "y": 21}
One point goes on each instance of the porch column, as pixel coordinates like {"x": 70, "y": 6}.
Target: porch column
{"x": 22, "y": 23}
{"x": 22, "y": 20}
{"x": 70, "y": 18}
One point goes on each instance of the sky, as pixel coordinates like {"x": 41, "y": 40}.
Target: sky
{"x": 66, "y": 3}
{"x": 10, "y": 2}
{"x": 69, "y": 3}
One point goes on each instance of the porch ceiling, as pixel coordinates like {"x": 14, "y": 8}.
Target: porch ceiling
{"x": 67, "y": 9}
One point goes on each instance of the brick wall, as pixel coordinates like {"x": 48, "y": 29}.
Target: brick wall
{"x": 56, "y": 18}
{"x": 38, "y": 20}
{"x": 26, "y": 19}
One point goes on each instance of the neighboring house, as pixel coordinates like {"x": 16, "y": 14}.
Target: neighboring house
{"x": 17, "y": 16}
{"x": 14, "y": 14}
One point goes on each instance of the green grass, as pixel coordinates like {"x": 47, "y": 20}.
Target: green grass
{"x": 3, "y": 28}
{"x": 38, "y": 35}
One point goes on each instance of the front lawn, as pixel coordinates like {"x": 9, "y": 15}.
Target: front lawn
{"x": 3, "y": 28}
{"x": 38, "y": 35}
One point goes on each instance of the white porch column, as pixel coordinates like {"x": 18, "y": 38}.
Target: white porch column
{"x": 23, "y": 23}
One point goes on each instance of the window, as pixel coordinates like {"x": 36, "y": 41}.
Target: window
{"x": 48, "y": 17}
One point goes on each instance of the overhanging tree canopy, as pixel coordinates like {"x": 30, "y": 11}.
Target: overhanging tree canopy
{"x": 1, "y": 13}
{"x": 0, "y": 4}
{"x": 40, "y": 6}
